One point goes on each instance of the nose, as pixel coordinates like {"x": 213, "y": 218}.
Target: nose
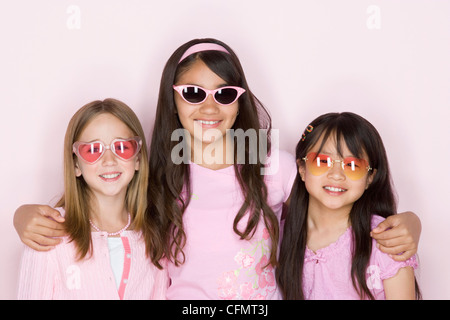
{"x": 109, "y": 159}
{"x": 336, "y": 171}
{"x": 209, "y": 106}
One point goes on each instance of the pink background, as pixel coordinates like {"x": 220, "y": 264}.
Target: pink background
{"x": 386, "y": 60}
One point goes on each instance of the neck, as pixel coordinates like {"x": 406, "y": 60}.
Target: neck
{"x": 325, "y": 225}
{"x": 322, "y": 218}
{"x": 109, "y": 214}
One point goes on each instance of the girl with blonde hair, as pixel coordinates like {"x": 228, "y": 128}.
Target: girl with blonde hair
{"x": 103, "y": 255}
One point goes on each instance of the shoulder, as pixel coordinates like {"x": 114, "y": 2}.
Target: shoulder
{"x": 281, "y": 156}
{"x": 279, "y": 162}
{"x": 280, "y": 171}
{"x": 387, "y": 266}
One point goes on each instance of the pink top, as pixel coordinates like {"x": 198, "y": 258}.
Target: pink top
{"x": 326, "y": 273}
{"x": 218, "y": 264}
{"x": 56, "y": 274}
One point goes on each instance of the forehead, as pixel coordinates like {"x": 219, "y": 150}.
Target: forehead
{"x": 105, "y": 127}
{"x": 200, "y": 74}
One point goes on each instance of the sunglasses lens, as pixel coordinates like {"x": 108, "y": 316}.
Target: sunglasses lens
{"x": 90, "y": 152}
{"x": 193, "y": 94}
{"x": 226, "y": 95}
{"x": 126, "y": 149}
{"x": 318, "y": 164}
{"x": 355, "y": 168}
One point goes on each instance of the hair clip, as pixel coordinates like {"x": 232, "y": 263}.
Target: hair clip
{"x": 308, "y": 129}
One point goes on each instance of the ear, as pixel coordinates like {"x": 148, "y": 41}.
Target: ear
{"x": 138, "y": 162}
{"x": 370, "y": 178}
{"x": 301, "y": 169}
{"x": 78, "y": 172}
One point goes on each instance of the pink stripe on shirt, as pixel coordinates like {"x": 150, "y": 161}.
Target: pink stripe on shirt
{"x": 126, "y": 267}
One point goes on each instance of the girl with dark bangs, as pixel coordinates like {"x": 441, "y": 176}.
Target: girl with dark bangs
{"x": 342, "y": 191}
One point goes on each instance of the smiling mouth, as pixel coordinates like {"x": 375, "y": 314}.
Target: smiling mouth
{"x": 110, "y": 176}
{"x": 208, "y": 122}
{"x": 334, "y": 189}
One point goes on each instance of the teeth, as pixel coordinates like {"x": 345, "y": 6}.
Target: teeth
{"x": 110, "y": 176}
{"x": 207, "y": 122}
{"x": 334, "y": 189}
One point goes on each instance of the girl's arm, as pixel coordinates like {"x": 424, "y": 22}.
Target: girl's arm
{"x": 37, "y": 224}
{"x": 398, "y": 235}
{"x": 401, "y": 286}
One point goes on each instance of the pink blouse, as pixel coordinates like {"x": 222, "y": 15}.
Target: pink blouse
{"x": 326, "y": 272}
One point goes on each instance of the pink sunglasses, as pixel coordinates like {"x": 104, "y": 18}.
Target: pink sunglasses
{"x": 124, "y": 149}
{"x": 196, "y": 95}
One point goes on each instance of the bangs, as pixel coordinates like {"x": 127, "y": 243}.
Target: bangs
{"x": 344, "y": 133}
{"x": 222, "y": 64}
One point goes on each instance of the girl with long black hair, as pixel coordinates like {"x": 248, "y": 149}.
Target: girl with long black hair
{"x": 342, "y": 191}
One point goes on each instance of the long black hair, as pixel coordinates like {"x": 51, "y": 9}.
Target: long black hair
{"x": 168, "y": 180}
{"x": 360, "y": 137}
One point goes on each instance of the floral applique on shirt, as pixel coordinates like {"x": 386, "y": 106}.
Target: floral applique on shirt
{"x": 251, "y": 280}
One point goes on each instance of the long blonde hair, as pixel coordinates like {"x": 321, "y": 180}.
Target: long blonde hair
{"x": 77, "y": 196}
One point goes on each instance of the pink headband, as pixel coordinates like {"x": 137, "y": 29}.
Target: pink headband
{"x": 205, "y": 46}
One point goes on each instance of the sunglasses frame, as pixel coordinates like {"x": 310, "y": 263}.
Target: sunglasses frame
{"x": 331, "y": 162}
{"x": 208, "y": 92}
{"x": 77, "y": 144}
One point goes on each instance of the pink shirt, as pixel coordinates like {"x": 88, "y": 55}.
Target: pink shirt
{"x": 218, "y": 264}
{"x": 326, "y": 273}
{"x": 56, "y": 274}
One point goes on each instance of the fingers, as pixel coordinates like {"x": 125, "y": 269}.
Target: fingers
{"x": 399, "y": 253}
{"x": 404, "y": 256}
{"x": 43, "y": 244}
{"x": 49, "y": 212}
{"x": 46, "y": 226}
{"x": 389, "y": 234}
{"x": 43, "y": 233}
{"x": 405, "y": 224}
{"x": 49, "y": 231}
{"x": 399, "y": 245}
{"x": 396, "y": 242}
{"x": 38, "y": 226}
{"x": 395, "y": 238}
{"x": 389, "y": 223}
{"x": 39, "y": 242}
